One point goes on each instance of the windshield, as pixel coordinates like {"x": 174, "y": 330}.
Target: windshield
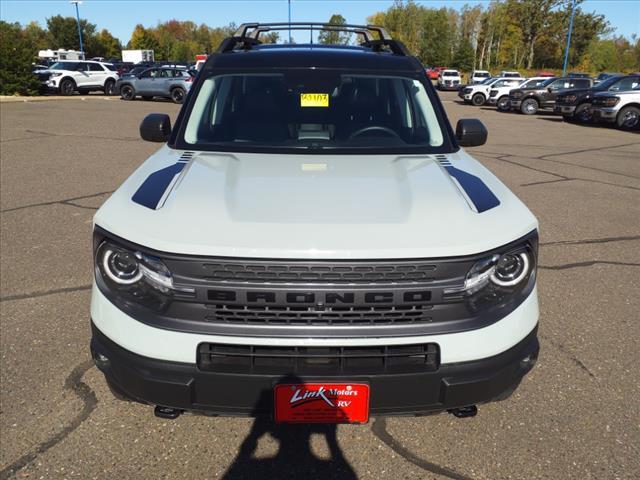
{"x": 488, "y": 81}
{"x": 325, "y": 110}
{"x": 606, "y": 83}
{"x": 534, "y": 82}
{"x": 481, "y": 74}
{"x": 450, "y": 74}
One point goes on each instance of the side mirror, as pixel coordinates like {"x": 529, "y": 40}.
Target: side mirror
{"x": 549, "y": 89}
{"x": 470, "y": 132}
{"x": 155, "y": 127}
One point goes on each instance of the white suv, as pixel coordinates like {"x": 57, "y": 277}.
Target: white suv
{"x": 479, "y": 76}
{"x": 479, "y": 94}
{"x": 499, "y": 92}
{"x": 449, "y": 80}
{"x": 312, "y": 243}
{"x": 69, "y": 76}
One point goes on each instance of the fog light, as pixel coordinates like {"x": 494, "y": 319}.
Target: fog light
{"x": 101, "y": 360}
{"x": 528, "y": 362}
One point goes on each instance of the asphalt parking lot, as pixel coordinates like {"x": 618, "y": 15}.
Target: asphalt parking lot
{"x": 575, "y": 416}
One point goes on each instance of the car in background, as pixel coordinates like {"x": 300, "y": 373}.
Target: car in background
{"x": 123, "y": 67}
{"x": 575, "y": 105}
{"x": 478, "y": 94}
{"x": 603, "y": 76}
{"x": 544, "y": 74}
{"x": 70, "y": 76}
{"x": 622, "y": 108}
{"x": 499, "y": 93}
{"x": 578, "y": 75}
{"x": 479, "y": 76}
{"x": 543, "y": 97}
{"x": 510, "y": 74}
{"x": 434, "y": 72}
{"x": 449, "y": 80}
{"x": 165, "y": 82}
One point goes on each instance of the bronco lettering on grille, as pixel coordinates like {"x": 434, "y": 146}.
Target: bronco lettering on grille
{"x": 318, "y": 298}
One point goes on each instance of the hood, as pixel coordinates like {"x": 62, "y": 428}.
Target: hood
{"x": 314, "y": 206}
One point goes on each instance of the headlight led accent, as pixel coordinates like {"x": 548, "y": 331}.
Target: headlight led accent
{"x": 120, "y": 266}
{"x": 510, "y": 269}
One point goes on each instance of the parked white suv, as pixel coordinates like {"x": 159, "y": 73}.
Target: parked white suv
{"x": 313, "y": 243}
{"x": 69, "y": 76}
{"x": 621, "y": 108}
{"x": 479, "y": 76}
{"x": 449, "y": 80}
{"x": 499, "y": 93}
{"x": 510, "y": 74}
{"x": 478, "y": 94}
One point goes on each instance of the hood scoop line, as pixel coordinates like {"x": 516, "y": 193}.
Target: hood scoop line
{"x": 156, "y": 188}
{"x": 475, "y": 191}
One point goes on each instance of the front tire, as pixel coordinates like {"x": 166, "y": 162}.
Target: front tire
{"x": 583, "y": 113}
{"x": 503, "y": 103}
{"x": 628, "y": 118}
{"x": 478, "y": 99}
{"x": 529, "y": 106}
{"x": 178, "y": 95}
{"x": 109, "y": 87}
{"x": 67, "y": 87}
{"x": 127, "y": 92}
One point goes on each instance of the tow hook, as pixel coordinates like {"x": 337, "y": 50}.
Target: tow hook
{"x": 166, "y": 412}
{"x": 464, "y": 412}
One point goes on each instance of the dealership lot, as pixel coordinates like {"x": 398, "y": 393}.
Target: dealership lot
{"x": 575, "y": 416}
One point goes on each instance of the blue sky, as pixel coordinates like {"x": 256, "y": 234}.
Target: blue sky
{"x": 121, "y": 16}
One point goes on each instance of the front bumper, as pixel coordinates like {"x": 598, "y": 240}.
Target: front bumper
{"x": 184, "y": 386}
{"x": 565, "y": 109}
{"x": 449, "y": 86}
{"x": 608, "y": 115}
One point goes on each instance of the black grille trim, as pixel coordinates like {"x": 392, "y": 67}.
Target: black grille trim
{"x": 284, "y": 360}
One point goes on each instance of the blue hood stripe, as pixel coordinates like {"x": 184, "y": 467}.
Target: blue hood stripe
{"x": 483, "y": 198}
{"x": 153, "y": 188}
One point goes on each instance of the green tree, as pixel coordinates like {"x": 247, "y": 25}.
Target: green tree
{"x": 63, "y": 33}
{"x": 335, "y": 37}
{"x": 105, "y": 45}
{"x": 142, "y": 39}
{"x": 464, "y": 56}
{"x": 16, "y": 57}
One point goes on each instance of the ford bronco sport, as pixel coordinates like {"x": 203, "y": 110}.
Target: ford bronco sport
{"x": 313, "y": 243}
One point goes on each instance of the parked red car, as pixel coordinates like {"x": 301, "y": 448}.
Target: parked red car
{"x": 434, "y": 72}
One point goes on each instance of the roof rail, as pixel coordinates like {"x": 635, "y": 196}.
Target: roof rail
{"x": 248, "y": 35}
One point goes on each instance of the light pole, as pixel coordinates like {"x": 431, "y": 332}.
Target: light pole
{"x": 76, "y": 3}
{"x": 289, "y": 1}
{"x": 566, "y": 52}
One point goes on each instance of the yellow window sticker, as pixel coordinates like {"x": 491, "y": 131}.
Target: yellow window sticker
{"x": 314, "y": 100}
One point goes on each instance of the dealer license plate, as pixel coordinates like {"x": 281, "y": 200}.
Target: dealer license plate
{"x": 322, "y": 403}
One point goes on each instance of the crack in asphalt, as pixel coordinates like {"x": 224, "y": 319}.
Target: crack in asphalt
{"x": 23, "y": 296}
{"x": 591, "y": 263}
{"x": 569, "y": 355}
{"x": 591, "y": 241}
{"x": 74, "y": 384}
{"x": 379, "y": 429}
{"x": 64, "y": 201}
{"x": 95, "y": 137}
{"x": 502, "y": 157}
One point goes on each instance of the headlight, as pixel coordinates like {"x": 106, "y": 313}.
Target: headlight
{"x": 124, "y": 269}
{"x": 55, "y": 74}
{"x": 500, "y": 275}
{"x": 608, "y": 101}
{"x": 569, "y": 98}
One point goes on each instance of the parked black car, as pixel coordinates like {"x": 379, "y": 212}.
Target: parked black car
{"x": 530, "y": 100}
{"x": 575, "y": 105}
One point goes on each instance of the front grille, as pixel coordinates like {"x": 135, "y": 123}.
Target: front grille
{"x": 301, "y": 315}
{"x": 335, "y": 273}
{"x": 331, "y": 361}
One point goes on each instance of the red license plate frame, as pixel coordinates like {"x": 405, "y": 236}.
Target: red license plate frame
{"x": 321, "y": 402}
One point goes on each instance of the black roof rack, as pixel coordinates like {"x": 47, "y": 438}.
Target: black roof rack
{"x": 248, "y": 35}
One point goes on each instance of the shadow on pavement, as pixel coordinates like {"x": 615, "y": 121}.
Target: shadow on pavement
{"x": 294, "y": 458}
